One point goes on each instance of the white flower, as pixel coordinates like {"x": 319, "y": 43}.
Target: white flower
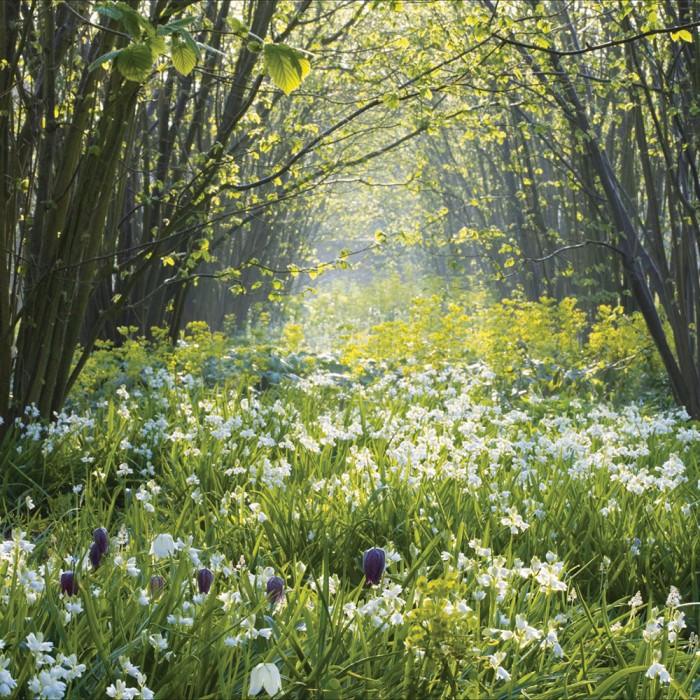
{"x": 120, "y": 691}
{"x": 7, "y": 682}
{"x": 636, "y": 601}
{"x": 525, "y": 632}
{"x": 73, "y": 669}
{"x": 514, "y": 521}
{"x": 158, "y": 642}
{"x": 674, "y": 598}
{"x": 36, "y": 643}
{"x": 502, "y": 674}
{"x": 657, "y": 669}
{"x": 675, "y": 625}
{"x": 132, "y": 670}
{"x": 396, "y": 618}
{"x": 265, "y": 676}
{"x": 74, "y": 608}
{"x": 162, "y": 546}
{"x": 46, "y": 685}
{"x": 653, "y": 629}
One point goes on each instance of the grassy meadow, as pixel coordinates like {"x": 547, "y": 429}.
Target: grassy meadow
{"x": 539, "y": 521}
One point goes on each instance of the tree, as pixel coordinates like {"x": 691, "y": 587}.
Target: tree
{"x": 136, "y": 138}
{"x": 71, "y": 129}
{"x": 659, "y": 255}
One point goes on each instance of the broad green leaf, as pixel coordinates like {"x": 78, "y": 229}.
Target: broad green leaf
{"x": 683, "y": 35}
{"x": 285, "y": 66}
{"x": 391, "y": 100}
{"x": 191, "y": 43}
{"x": 135, "y": 62}
{"x": 134, "y": 21}
{"x": 130, "y": 20}
{"x": 237, "y": 27}
{"x": 157, "y": 46}
{"x": 183, "y": 57}
{"x": 109, "y": 11}
{"x": 103, "y": 59}
{"x": 177, "y": 24}
{"x": 305, "y": 66}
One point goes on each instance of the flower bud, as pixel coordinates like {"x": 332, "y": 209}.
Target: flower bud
{"x": 205, "y": 578}
{"x": 69, "y": 585}
{"x": 95, "y": 555}
{"x": 155, "y": 584}
{"x": 275, "y": 588}
{"x": 101, "y": 538}
{"x": 373, "y": 563}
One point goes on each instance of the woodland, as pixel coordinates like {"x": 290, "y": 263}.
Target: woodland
{"x": 349, "y": 348}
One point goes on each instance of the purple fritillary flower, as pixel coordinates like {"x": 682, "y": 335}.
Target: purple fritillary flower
{"x": 69, "y": 585}
{"x": 95, "y": 555}
{"x": 155, "y": 584}
{"x": 101, "y": 538}
{"x": 373, "y": 563}
{"x": 205, "y": 577}
{"x": 275, "y": 588}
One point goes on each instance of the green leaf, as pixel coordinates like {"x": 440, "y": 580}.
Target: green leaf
{"x": 183, "y": 57}
{"x": 604, "y": 688}
{"x": 103, "y": 59}
{"x": 391, "y": 100}
{"x": 176, "y": 24}
{"x": 157, "y": 46}
{"x": 683, "y": 35}
{"x": 191, "y": 43}
{"x": 305, "y": 65}
{"x": 286, "y": 67}
{"x": 237, "y": 27}
{"x": 134, "y": 21}
{"x": 130, "y": 20}
{"x": 109, "y": 11}
{"x": 135, "y": 62}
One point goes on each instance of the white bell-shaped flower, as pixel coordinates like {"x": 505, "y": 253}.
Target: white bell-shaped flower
{"x": 162, "y": 546}
{"x": 265, "y": 676}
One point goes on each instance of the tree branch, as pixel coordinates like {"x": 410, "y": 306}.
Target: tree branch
{"x": 596, "y": 47}
{"x": 573, "y": 246}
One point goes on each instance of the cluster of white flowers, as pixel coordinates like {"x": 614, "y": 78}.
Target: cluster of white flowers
{"x": 7, "y": 682}
{"x": 496, "y": 456}
{"x": 384, "y": 608}
{"x": 52, "y": 674}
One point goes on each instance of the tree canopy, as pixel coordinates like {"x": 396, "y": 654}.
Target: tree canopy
{"x": 169, "y": 160}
